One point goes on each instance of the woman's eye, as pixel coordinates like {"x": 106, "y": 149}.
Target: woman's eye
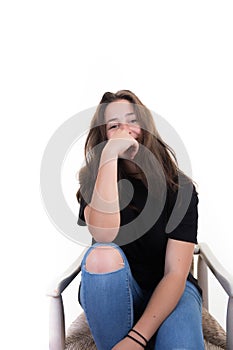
{"x": 113, "y": 126}
{"x": 133, "y": 121}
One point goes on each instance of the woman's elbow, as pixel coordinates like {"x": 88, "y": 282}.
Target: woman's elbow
{"x": 178, "y": 278}
{"x": 103, "y": 235}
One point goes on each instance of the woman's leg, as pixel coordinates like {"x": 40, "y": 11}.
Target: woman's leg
{"x": 108, "y": 293}
{"x": 182, "y": 330}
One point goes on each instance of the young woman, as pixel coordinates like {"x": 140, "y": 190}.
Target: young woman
{"x": 136, "y": 288}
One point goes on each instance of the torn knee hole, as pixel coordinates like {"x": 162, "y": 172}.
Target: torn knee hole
{"x": 104, "y": 259}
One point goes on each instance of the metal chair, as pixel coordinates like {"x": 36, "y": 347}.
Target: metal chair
{"x": 79, "y": 337}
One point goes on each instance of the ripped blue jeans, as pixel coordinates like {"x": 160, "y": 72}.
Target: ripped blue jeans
{"x": 113, "y": 302}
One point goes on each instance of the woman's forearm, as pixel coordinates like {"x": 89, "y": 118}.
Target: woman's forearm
{"x": 103, "y": 215}
{"x": 163, "y": 301}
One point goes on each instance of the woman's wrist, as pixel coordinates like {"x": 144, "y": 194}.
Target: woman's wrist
{"x": 138, "y": 338}
{"x": 108, "y": 154}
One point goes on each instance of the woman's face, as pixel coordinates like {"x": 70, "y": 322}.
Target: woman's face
{"x": 120, "y": 115}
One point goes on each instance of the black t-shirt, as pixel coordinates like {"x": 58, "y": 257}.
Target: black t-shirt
{"x": 147, "y": 224}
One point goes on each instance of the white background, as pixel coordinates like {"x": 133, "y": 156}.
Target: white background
{"x": 58, "y": 58}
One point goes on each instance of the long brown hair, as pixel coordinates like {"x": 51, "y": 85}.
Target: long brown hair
{"x": 150, "y": 139}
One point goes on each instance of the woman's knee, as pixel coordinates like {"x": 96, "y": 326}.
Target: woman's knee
{"x": 182, "y": 329}
{"x": 103, "y": 259}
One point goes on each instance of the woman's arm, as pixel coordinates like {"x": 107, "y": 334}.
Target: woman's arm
{"x": 166, "y": 295}
{"x": 103, "y": 213}
{"x": 170, "y": 289}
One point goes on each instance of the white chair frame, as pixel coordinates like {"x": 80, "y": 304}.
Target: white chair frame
{"x": 206, "y": 260}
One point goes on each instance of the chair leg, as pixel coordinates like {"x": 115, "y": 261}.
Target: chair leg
{"x": 203, "y": 281}
{"x": 230, "y": 324}
{"x": 56, "y": 324}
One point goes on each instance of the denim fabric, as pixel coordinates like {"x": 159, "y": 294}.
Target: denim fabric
{"x": 114, "y": 301}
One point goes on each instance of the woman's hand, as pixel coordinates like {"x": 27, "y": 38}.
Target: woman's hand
{"x": 127, "y": 344}
{"x": 122, "y": 145}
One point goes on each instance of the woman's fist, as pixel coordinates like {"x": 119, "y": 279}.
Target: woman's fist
{"x": 122, "y": 145}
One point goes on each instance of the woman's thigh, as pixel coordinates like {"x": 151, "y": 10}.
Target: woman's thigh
{"x": 111, "y": 301}
{"x": 182, "y": 329}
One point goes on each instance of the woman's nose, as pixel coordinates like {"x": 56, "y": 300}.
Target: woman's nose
{"x": 124, "y": 126}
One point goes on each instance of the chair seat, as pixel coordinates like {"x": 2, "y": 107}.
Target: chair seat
{"x": 79, "y": 336}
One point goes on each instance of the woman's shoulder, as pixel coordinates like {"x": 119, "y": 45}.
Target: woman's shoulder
{"x": 184, "y": 191}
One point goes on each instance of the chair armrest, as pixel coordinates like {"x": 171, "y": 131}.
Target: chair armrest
{"x": 221, "y": 274}
{"x": 60, "y": 284}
